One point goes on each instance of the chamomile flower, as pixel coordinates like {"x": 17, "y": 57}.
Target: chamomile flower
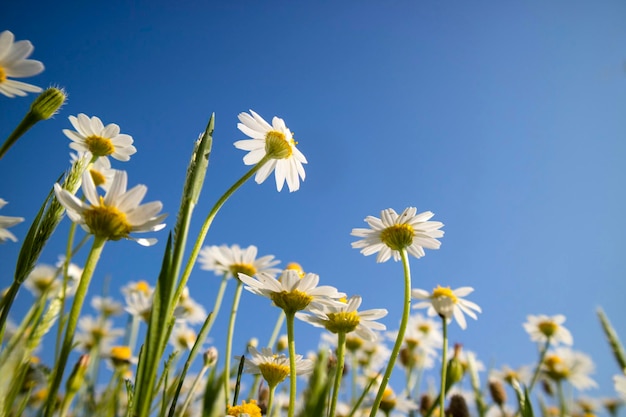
{"x": 250, "y": 409}
{"x": 13, "y": 63}
{"x": 542, "y": 328}
{"x": 292, "y": 293}
{"x": 43, "y": 280}
{"x": 183, "y": 337}
{"x": 92, "y": 136}
{"x": 276, "y": 141}
{"x": 566, "y": 364}
{"x": 344, "y": 318}
{"x": 274, "y": 367}
{"x": 95, "y": 332}
{"x": 6, "y": 222}
{"x": 230, "y": 260}
{"x": 115, "y": 215}
{"x": 100, "y": 170}
{"x": 188, "y": 309}
{"x": 447, "y": 303}
{"x": 393, "y": 233}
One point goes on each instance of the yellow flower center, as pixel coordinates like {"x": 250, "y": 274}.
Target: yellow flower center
{"x": 43, "y": 283}
{"x": 555, "y": 368}
{"x": 398, "y": 236}
{"x": 142, "y": 286}
{"x": 388, "y": 401}
{"x": 353, "y": 343}
{"x": 247, "y": 269}
{"x": 548, "y": 328}
{"x": 294, "y": 266}
{"x": 273, "y": 373}
{"x": 424, "y": 328}
{"x": 107, "y": 221}
{"x": 444, "y": 292}
{"x": 251, "y": 409}
{"x": 97, "y": 177}
{"x": 342, "y": 322}
{"x": 291, "y": 301}
{"x": 3, "y": 75}
{"x": 99, "y": 146}
{"x": 277, "y": 146}
{"x": 120, "y": 355}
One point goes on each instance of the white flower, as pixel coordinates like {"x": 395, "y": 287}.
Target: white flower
{"x": 274, "y": 367}
{"x": 115, "y": 215}
{"x": 138, "y": 297}
{"x": 344, "y": 318}
{"x": 13, "y": 63}
{"x": 189, "y": 310}
{"x": 447, "y": 303}
{"x": 542, "y": 327}
{"x": 230, "y": 260}
{"x": 107, "y": 306}
{"x": 96, "y": 333}
{"x": 183, "y": 337}
{"x": 275, "y": 140}
{"x": 5, "y": 222}
{"x": 566, "y": 364}
{"x": 100, "y": 170}
{"x": 92, "y": 136}
{"x": 292, "y": 293}
{"x": 43, "y": 280}
{"x": 620, "y": 385}
{"x": 392, "y": 233}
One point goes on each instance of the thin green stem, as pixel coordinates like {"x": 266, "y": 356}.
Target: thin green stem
{"x": 290, "y": 316}
{"x": 270, "y": 401}
{"x": 29, "y": 121}
{"x": 444, "y": 366}
{"x": 542, "y": 356}
{"x": 399, "y": 339}
{"x": 192, "y": 390}
{"x": 279, "y": 324}
{"x": 354, "y": 362}
{"x": 79, "y": 298}
{"x": 218, "y": 302}
{"x": 562, "y": 404}
{"x": 341, "y": 354}
{"x": 229, "y": 340}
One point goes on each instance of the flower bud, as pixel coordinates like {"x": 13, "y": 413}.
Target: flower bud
{"x": 282, "y": 343}
{"x": 457, "y": 407}
{"x": 426, "y": 402}
{"x": 455, "y": 369}
{"x": 210, "y": 356}
{"x": 497, "y": 391}
{"x": 77, "y": 377}
{"x": 48, "y": 103}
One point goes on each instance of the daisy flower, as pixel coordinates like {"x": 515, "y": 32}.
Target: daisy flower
{"x": 188, "y": 309}
{"x": 183, "y": 337}
{"x": 96, "y": 332}
{"x": 230, "y": 260}
{"x": 107, "y": 306}
{"x": 344, "y": 318}
{"x": 393, "y": 233}
{"x": 274, "y": 367}
{"x": 92, "y": 136}
{"x": 43, "y": 280}
{"x": 542, "y": 328}
{"x": 115, "y": 215}
{"x": 392, "y": 402}
{"x": 292, "y": 293}
{"x": 447, "y": 303}
{"x": 13, "y": 63}
{"x": 566, "y": 364}
{"x": 275, "y": 141}
{"x": 100, "y": 170}
{"x": 6, "y": 222}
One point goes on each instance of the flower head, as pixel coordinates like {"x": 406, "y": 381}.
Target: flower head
{"x": 274, "y": 367}
{"x": 542, "y": 328}
{"x": 566, "y": 364}
{"x": 250, "y": 409}
{"x": 344, "y": 318}
{"x": 115, "y": 215}
{"x": 231, "y": 260}
{"x": 275, "y": 141}
{"x": 6, "y": 222}
{"x": 92, "y": 136}
{"x": 393, "y": 233}
{"x": 447, "y": 303}
{"x": 13, "y": 63}
{"x": 292, "y": 293}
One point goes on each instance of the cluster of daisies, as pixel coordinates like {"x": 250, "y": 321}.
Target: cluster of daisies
{"x": 356, "y": 362}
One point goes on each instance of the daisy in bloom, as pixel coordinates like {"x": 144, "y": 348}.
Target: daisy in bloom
{"x": 100, "y": 170}
{"x": 344, "y": 318}
{"x": 447, "y": 303}
{"x": 138, "y": 297}
{"x": 244, "y": 410}
{"x": 275, "y": 141}
{"x": 183, "y": 337}
{"x": 92, "y": 136}
{"x": 542, "y": 328}
{"x": 6, "y": 222}
{"x": 393, "y": 233}
{"x": 507, "y": 374}
{"x": 566, "y": 364}
{"x": 107, "y": 306}
{"x": 274, "y": 367}
{"x": 230, "y": 260}
{"x": 115, "y": 215}
{"x": 292, "y": 293}
{"x": 96, "y": 333}
{"x": 189, "y": 310}
{"x": 392, "y": 402}
{"x": 13, "y": 63}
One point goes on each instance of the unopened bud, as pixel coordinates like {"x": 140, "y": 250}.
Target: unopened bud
{"x": 457, "y": 407}
{"x": 253, "y": 342}
{"x": 546, "y": 386}
{"x": 77, "y": 377}
{"x": 406, "y": 358}
{"x": 497, "y": 391}
{"x": 282, "y": 344}
{"x": 426, "y": 402}
{"x": 454, "y": 372}
{"x": 48, "y": 103}
{"x": 210, "y": 356}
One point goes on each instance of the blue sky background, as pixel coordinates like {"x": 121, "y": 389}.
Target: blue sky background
{"x": 506, "y": 119}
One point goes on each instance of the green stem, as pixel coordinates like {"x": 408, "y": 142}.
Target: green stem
{"x": 27, "y": 122}
{"x": 341, "y": 354}
{"x": 229, "y": 340}
{"x": 290, "y": 316}
{"x": 562, "y": 405}
{"x": 192, "y": 390}
{"x": 279, "y": 324}
{"x": 218, "y": 302}
{"x": 444, "y": 366}
{"x": 401, "y": 331}
{"x": 355, "y": 362}
{"x": 79, "y": 298}
{"x": 270, "y": 401}
{"x": 542, "y": 356}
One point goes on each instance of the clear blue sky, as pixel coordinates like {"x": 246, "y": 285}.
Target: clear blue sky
{"x": 506, "y": 119}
